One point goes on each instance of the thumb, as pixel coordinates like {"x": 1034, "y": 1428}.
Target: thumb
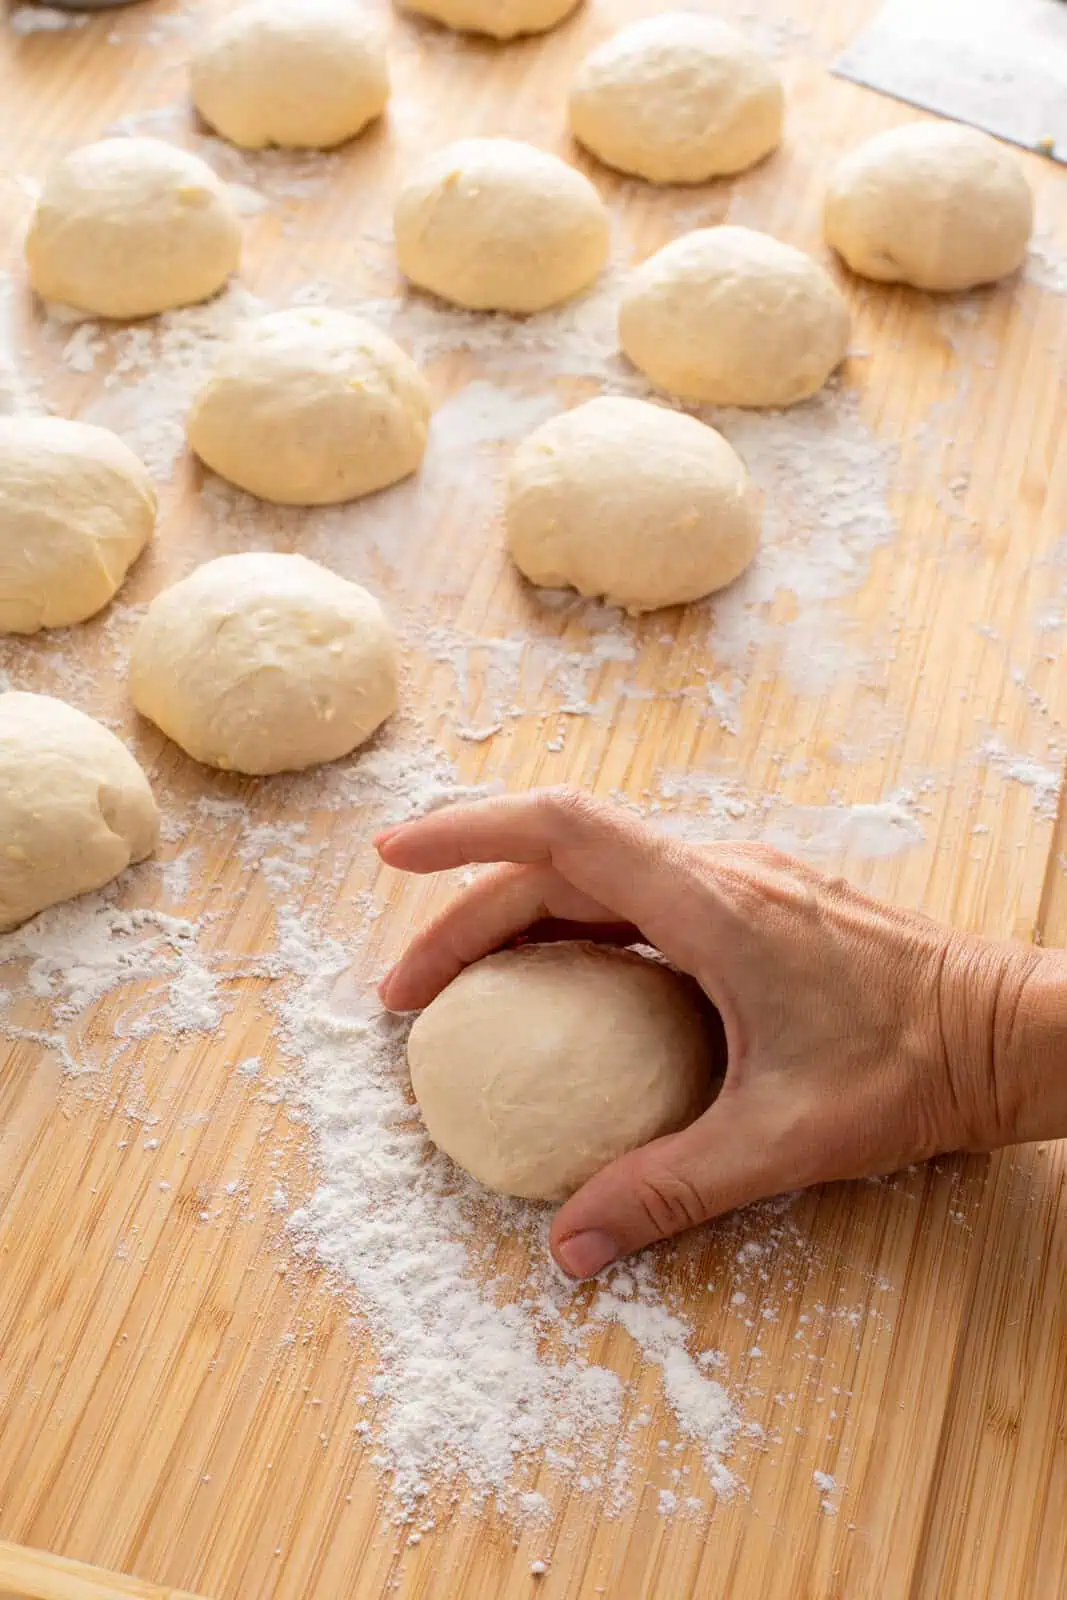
{"x": 658, "y": 1191}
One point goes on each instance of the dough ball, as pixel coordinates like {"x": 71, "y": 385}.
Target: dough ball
{"x": 729, "y": 317}
{"x": 76, "y": 510}
{"x": 538, "y": 1066}
{"x": 500, "y": 19}
{"x": 129, "y": 227}
{"x": 264, "y": 663}
{"x": 931, "y": 204}
{"x": 75, "y": 807}
{"x": 678, "y": 98}
{"x": 496, "y": 225}
{"x": 302, "y": 74}
{"x": 643, "y": 506}
{"x": 310, "y": 407}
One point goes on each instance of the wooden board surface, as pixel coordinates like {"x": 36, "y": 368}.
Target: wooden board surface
{"x": 158, "y": 1413}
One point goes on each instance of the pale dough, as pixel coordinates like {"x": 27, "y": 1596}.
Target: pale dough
{"x": 265, "y": 663}
{"x": 619, "y": 498}
{"x": 726, "y": 316}
{"x": 130, "y": 227}
{"x": 301, "y": 74}
{"x": 311, "y": 407}
{"x": 500, "y": 19}
{"x": 76, "y": 509}
{"x": 538, "y": 1066}
{"x": 678, "y": 98}
{"x": 75, "y": 807}
{"x": 495, "y": 225}
{"x": 931, "y": 204}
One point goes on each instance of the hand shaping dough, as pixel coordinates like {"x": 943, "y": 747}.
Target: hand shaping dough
{"x": 931, "y": 204}
{"x": 500, "y": 19}
{"x": 538, "y": 1066}
{"x": 75, "y": 807}
{"x": 496, "y": 225}
{"x": 678, "y": 98}
{"x": 129, "y": 227}
{"x": 619, "y": 498}
{"x": 729, "y": 317}
{"x": 310, "y": 407}
{"x": 76, "y": 510}
{"x": 264, "y": 663}
{"x": 301, "y": 74}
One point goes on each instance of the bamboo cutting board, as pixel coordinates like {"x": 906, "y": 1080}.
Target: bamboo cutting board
{"x": 156, "y": 1417}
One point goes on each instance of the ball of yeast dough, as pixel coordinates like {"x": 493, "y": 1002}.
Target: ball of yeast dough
{"x": 129, "y": 227}
{"x": 729, "y": 317}
{"x": 495, "y": 225}
{"x": 931, "y": 204}
{"x": 643, "y": 506}
{"x": 264, "y": 663}
{"x": 538, "y": 1066}
{"x": 500, "y": 19}
{"x": 75, "y": 807}
{"x": 310, "y": 407}
{"x": 677, "y": 98}
{"x": 301, "y": 74}
{"x": 76, "y": 510}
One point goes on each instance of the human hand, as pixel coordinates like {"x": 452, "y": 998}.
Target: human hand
{"x": 859, "y": 1038}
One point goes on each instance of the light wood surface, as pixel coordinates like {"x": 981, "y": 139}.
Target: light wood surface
{"x": 151, "y": 1418}
{"x": 38, "y": 1575}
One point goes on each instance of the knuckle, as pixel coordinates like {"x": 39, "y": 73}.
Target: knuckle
{"x": 671, "y": 1202}
{"x": 565, "y": 804}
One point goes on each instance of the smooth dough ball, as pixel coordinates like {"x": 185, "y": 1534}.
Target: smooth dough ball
{"x": 729, "y": 317}
{"x": 500, "y": 19}
{"x": 495, "y": 225}
{"x": 76, "y": 510}
{"x": 302, "y": 74}
{"x": 931, "y": 204}
{"x": 678, "y": 98}
{"x": 264, "y": 663}
{"x": 310, "y": 407}
{"x": 538, "y": 1066}
{"x": 129, "y": 227}
{"x": 623, "y": 499}
{"x": 75, "y": 807}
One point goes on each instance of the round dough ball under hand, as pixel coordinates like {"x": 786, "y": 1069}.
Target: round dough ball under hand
{"x": 537, "y": 1067}
{"x": 496, "y": 225}
{"x": 264, "y": 663}
{"x": 625, "y": 500}
{"x": 130, "y": 227}
{"x": 310, "y": 407}
{"x": 678, "y": 98}
{"x": 729, "y": 317}
{"x": 75, "y": 807}
{"x": 76, "y": 510}
{"x": 300, "y": 74}
{"x": 930, "y": 204}
{"x": 499, "y": 19}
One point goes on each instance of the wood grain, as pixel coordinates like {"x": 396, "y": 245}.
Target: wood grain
{"x": 156, "y": 1416}
{"x": 36, "y": 1575}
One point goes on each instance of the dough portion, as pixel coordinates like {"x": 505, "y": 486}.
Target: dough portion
{"x": 76, "y": 510}
{"x": 538, "y": 1066}
{"x": 75, "y": 807}
{"x": 730, "y": 317}
{"x": 678, "y": 98}
{"x": 623, "y": 499}
{"x": 264, "y": 663}
{"x": 130, "y": 227}
{"x": 932, "y": 204}
{"x": 300, "y": 74}
{"x": 496, "y": 225}
{"x": 500, "y": 19}
{"x": 310, "y": 407}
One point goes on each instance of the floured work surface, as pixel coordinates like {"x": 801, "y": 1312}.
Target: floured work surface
{"x": 256, "y": 1341}
{"x": 999, "y": 64}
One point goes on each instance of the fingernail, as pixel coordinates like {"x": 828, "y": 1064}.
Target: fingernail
{"x": 383, "y": 987}
{"x": 583, "y": 1255}
{"x": 385, "y": 835}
